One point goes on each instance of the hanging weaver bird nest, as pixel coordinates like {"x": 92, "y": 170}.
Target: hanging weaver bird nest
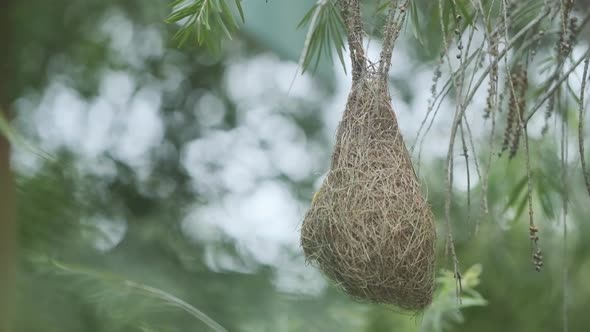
{"x": 369, "y": 227}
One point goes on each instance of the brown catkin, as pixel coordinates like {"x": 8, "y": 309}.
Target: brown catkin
{"x": 493, "y": 82}
{"x": 511, "y": 121}
{"x": 520, "y": 81}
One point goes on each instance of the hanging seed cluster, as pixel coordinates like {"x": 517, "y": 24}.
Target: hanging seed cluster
{"x": 491, "y": 99}
{"x": 517, "y": 86}
{"x": 563, "y": 48}
{"x": 370, "y": 228}
{"x": 537, "y": 253}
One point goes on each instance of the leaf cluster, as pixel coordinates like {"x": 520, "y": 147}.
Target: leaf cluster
{"x": 446, "y": 310}
{"x": 208, "y": 20}
{"x": 325, "y": 33}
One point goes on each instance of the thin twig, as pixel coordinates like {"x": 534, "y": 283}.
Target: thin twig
{"x": 466, "y": 155}
{"x": 449, "y": 166}
{"x": 581, "y": 113}
{"x": 473, "y": 150}
{"x": 477, "y": 167}
{"x": 423, "y": 137}
{"x": 439, "y": 98}
{"x": 556, "y": 86}
{"x": 486, "y": 179}
{"x": 505, "y": 50}
{"x": 534, "y": 246}
{"x": 564, "y": 156}
{"x": 431, "y": 102}
{"x": 146, "y": 289}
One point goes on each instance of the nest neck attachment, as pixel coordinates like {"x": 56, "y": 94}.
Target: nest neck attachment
{"x": 395, "y": 21}
{"x": 351, "y": 14}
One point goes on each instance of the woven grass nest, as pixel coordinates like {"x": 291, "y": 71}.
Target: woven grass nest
{"x": 369, "y": 227}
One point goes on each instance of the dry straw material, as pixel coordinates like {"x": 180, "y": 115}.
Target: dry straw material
{"x": 369, "y": 227}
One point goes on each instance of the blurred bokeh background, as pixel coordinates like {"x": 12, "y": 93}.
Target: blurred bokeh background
{"x": 161, "y": 188}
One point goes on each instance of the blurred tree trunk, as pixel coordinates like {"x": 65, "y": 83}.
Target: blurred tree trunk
{"x": 7, "y": 192}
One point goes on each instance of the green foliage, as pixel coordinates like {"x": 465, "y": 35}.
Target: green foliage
{"x": 212, "y": 20}
{"x": 66, "y": 284}
{"x": 546, "y": 184}
{"x": 125, "y": 301}
{"x": 17, "y": 140}
{"x": 5, "y": 128}
{"x": 209, "y": 20}
{"x": 325, "y": 34}
{"x": 445, "y": 309}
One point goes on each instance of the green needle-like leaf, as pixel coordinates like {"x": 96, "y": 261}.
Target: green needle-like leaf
{"x": 210, "y": 20}
{"x": 325, "y": 32}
